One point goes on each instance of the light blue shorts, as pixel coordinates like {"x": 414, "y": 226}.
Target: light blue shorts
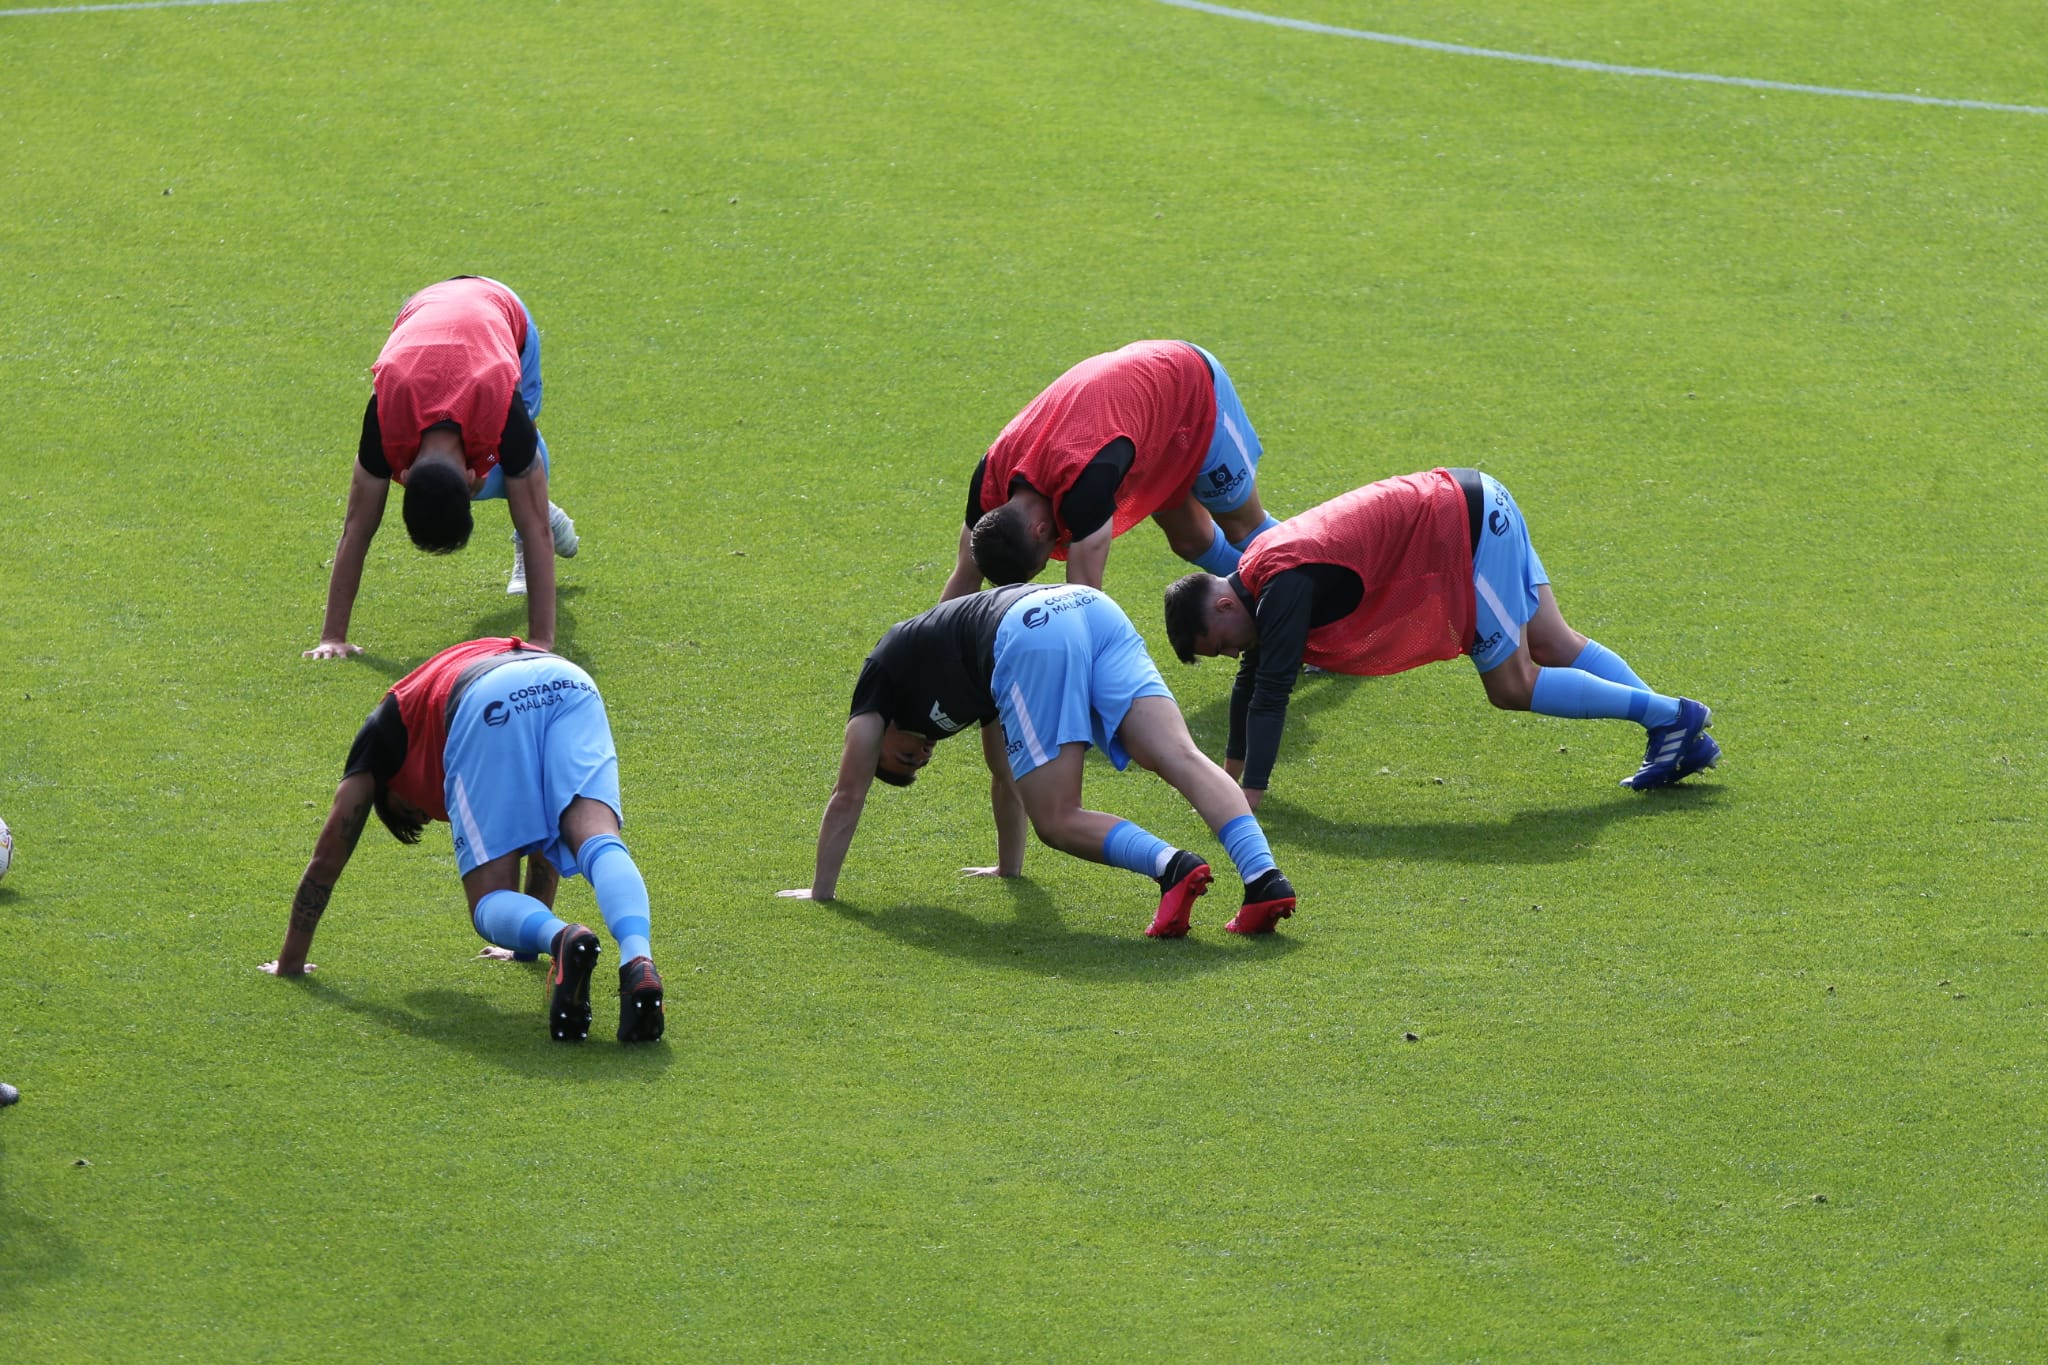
{"x": 1225, "y": 481}
{"x": 528, "y": 738}
{"x": 529, "y": 394}
{"x": 1505, "y": 576}
{"x": 1069, "y": 664}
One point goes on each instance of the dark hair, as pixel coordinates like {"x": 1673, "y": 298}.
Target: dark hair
{"x": 1187, "y": 612}
{"x": 437, "y": 507}
{"x": 402, "y": 829}
{"x": 893, "y": 779}
{"x": 1004, "y": 548}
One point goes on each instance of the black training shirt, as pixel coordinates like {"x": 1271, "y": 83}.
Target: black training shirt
{"x": 930, "y": 674}
{"x": 518, "y": 446}
{"x": 1294, "y": 603}
{"x": 379, "y": 747}
{"x": 1089, "y": 504}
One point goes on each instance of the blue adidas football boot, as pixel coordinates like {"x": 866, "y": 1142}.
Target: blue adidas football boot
{"x": 1701, "y": 753}
{"x": 1676, "y": 750}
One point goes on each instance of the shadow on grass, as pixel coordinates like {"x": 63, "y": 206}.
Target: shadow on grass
{"x": 391, "y": 668}
{"x": 510, "y": 619}
{"x": 516, "y": 1040}
{"x": 1535, "y": 836}
{"x": 1037, "y": 941}
{"x": 32, "y": 1250}
{"x": 1313, "y": 694}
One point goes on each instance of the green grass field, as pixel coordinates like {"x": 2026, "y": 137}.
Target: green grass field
{"x": 1752, "y": 1068}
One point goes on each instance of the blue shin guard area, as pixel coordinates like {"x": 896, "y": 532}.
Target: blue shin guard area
{"x": 1219, "y": 558}
{"x": 515, "y": 920}
{"x": 1136, "y": 849}
{"x": 1603, "y": 662}
{"x": 1245, "y": 842}
{"x": 1576, "y": 695}
{"x": 1268, "y": 524}
{"x": 621, "y": 893}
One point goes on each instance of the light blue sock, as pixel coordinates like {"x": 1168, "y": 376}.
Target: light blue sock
{"x": 1603, "y": 662}
{"x": 1268, "y": 524}
{"x": 1219, "y": 558}
{"x": 621, "y": 893}
{"x": 1581, "y": 696}
{"x": 1246, "y": 844}
{"x": 1135, "y": 849}
{"x": 515, "y": 920}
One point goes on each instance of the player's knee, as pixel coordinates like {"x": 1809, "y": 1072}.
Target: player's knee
{"x": 1059, "y": 829}
{"x": 1556, "y": 651}
{"x": 1510, "y": 686}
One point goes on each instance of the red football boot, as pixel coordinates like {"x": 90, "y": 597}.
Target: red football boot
{"x": 1267, "y": 901}
{"x": 1180, "y": 886}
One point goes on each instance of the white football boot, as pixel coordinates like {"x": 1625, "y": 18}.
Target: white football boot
{"x": 564, "y": 531}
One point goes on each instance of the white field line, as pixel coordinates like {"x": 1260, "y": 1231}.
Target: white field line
{"x": 135, "y": 4}
{"x": 1605, "y": 68}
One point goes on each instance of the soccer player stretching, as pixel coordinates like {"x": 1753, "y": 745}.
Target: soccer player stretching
{"x": 511, "y": 746}
{"x": 1153, "y": 430}
{"x": 454, "y": 396}
{"x": 1398, "y": 574}
{"x": 1054, "y": 670}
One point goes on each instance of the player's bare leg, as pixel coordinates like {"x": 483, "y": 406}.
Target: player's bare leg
{"x": 1051, "y": 793}
{"x": 1189, "y": 528}
{"x": 1157, "y": 736}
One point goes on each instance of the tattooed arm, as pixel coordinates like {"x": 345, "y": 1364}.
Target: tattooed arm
{"x": 330, "y": 855}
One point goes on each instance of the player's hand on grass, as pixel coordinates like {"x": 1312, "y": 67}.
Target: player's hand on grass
{"x": 987, "y": 872}
{"x": 801, "y": 893}
{"x": 305, "y": 969}
{"x": 493, "y": 953}
{"x": 1254, "y": 795}
{"x": 333, "y": 649}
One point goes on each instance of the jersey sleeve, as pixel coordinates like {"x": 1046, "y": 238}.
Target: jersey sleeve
{"x": 1091, "y": 502}
{"x": 975, "y": 511}
{"x": 519, "y": 446}
{"x": 1266, "y": 676}
{"x": 873, "y": 691}
{"x": 379, "y": 747}
{"x": 370, "y": 448}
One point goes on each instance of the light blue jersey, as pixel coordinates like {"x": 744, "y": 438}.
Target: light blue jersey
{"x": 529, "y": 395}
{"x": 526, "y": 740}
{"x": 1505, "y": 576}
{"x": 1068, "y": 665}
{"x": 1227, "y": 476}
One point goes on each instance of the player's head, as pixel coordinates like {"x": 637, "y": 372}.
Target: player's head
{"x": 1012, "y": 543}
{"x": 1204, "y": 617}
{"x": 437, "y": 506}
{"x": 903, "y": 753}
{"x": 400, "y": 816}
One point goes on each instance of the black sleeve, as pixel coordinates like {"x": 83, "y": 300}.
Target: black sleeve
{"x": 1240, "y": 702}
{"x": 519, "y": 446}
{"x": 975, "y": 511}
{"x": 874, "y": 692}
{"x": 370, "y": 449}
{"x": 379, "y": 748}
{"x": 1091, "y": 502}
{"x": 1283, "y": 618}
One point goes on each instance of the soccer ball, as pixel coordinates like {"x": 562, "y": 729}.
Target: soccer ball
{"x": 6, "y": 848}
